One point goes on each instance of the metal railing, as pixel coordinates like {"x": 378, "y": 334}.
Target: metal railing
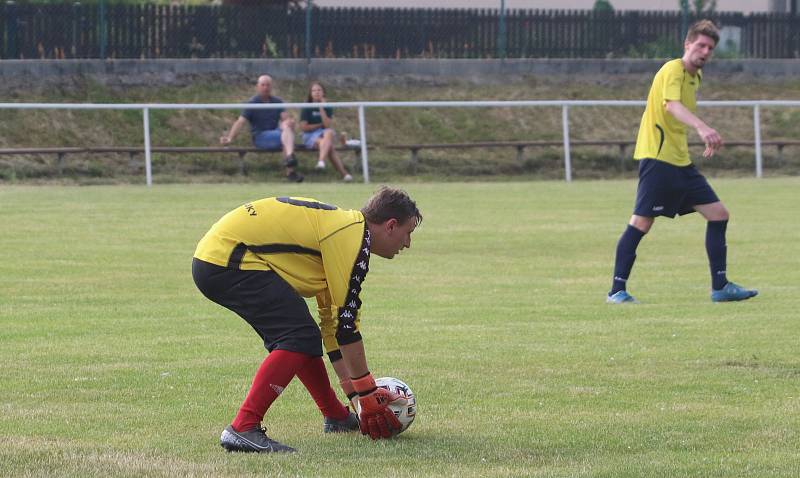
{"x": 361, "y": 106}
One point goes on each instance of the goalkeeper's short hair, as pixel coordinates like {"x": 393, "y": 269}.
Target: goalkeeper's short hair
{"x": 390, "y": 203}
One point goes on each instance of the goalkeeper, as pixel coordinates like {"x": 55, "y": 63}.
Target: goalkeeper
{"x": 261, "y": 259}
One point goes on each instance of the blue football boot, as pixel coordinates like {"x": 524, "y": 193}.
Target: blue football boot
{"x": 732, "y": 292}
{"x": 621, "y": 297}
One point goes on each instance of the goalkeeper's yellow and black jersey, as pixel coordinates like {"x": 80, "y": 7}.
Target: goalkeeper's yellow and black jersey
{"x": 320, "y": 250}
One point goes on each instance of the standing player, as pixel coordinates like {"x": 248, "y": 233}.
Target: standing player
{"x": 261, "y": 259}
{"x": 669, "y": 184}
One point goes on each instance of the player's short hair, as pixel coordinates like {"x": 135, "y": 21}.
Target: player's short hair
{"x": 390, "y": 203}
{"x": 703, "y": 27}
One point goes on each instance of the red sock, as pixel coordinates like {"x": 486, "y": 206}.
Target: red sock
{"x": 315, "y": 378}
{"x": 272, "y": 377}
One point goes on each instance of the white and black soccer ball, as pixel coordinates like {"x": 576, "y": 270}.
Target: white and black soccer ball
{"x": 405, "y": 413}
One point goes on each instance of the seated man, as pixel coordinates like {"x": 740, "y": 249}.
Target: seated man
{"x": 270, "y": 128}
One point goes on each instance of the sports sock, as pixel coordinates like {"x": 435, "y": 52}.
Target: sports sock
{"x": 717, "y": 251}
{"x": 315, "y": 379}
{"x": 626, "y": 255}
{"x": 274, "y": 374}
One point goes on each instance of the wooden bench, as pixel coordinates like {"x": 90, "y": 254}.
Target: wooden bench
{"x": 132, "y": 151}
{"x": 520, "y": 146}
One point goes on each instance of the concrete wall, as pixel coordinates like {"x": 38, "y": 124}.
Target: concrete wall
{"x": 15, "y": 72}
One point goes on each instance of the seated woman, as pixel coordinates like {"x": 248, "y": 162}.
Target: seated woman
{"x": 317, "y": 132}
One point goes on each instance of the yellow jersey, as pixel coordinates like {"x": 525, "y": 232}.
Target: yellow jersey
{"x": 661, "y": 136}
{"x": 320, "y": 250}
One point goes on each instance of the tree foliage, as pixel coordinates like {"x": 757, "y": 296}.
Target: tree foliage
{"x": 603, "y": 6}
{"x": 698, "y": 7}
{"x": 266, "y": 3}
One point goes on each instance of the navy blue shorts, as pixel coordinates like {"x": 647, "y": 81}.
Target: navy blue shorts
{"x": 265, "y": 301}
{"x": 667, "y": 190}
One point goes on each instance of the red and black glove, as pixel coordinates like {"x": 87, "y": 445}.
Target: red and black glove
{"x": 376, "y": 419}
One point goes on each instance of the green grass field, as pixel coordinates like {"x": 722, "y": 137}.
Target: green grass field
{"x": 113, "y": 364}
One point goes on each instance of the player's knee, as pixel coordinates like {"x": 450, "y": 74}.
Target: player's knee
{"x": 719, "y": 213}
{"x": 642, "y": 223}
{"x": 724, "y": 213}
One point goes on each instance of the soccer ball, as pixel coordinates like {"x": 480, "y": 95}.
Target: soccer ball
{"x": 405, "y": 413}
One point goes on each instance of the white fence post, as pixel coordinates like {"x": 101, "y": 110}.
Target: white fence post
{"x": 148, "y": 169}
{"x": 362, "y": 127}
{"x": 567, "y": 156}
{"x": 757, "y": 126}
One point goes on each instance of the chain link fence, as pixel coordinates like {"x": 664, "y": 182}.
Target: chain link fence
{"x": 109, "y": 30}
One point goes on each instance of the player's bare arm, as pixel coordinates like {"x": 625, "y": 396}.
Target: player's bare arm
{"x": 355, "y": 359}
{"x": 709, "y": 135}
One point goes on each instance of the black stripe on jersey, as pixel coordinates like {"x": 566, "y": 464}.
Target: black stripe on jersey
{"x": 660, "y": 141}
{"x": 237, "y": 254}
{"x": 346, "y": 332}
{"x": 283, "y": 248}
{"x": 235, "y": 259}
{"x": 308, "y": 204}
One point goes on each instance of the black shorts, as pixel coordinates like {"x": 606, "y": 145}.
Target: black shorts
{"x": 267, "y": 302}
{"x": 667, "y": 190}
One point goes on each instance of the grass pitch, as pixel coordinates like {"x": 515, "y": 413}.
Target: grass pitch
{"x": 113, "y": 364}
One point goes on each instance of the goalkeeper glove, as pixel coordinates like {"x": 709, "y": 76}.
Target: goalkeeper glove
{"x": 376, "y": 419}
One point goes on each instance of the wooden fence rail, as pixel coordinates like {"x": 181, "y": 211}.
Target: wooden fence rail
{"x": 101, "y": 30}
